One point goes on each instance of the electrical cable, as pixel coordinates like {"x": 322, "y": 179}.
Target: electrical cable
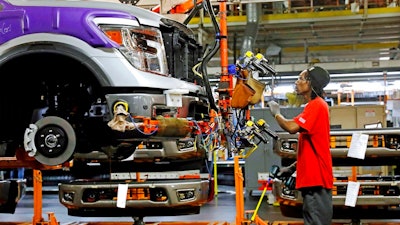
{"x": 208, "y": 57}
{"x": 193, "y": 12}
{"x": 140, "y": 131}
{"x": 194, "y": 70}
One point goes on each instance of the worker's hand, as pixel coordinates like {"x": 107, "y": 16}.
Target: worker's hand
{"x": 274, "y": 107}
{"x": 287, "y": 171}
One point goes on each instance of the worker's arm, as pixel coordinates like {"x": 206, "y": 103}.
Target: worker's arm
{"x": 287, "y": 124}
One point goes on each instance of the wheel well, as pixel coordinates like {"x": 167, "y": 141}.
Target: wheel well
{"x": 35, "y": 80}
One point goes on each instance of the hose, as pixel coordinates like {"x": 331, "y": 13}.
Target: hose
{"x": 209, "y": 55}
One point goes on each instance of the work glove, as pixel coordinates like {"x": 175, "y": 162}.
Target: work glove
{"x": 287, "y": 170}
{"x": 274, "y": 107}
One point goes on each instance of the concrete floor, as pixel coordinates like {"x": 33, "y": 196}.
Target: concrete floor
{"x": 222, "y": 208}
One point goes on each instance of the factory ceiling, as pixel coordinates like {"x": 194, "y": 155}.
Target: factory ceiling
{"x": 343, "y": 38}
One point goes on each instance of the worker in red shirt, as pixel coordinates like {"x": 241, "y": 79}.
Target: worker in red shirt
{"x": 314, "y": 173}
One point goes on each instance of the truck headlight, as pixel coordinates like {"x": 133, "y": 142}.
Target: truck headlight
{"x": 186, "y": 195}
{"x": 289, "y": 145}
{"x": 142, "y": 46}
{"x": 68, "y": 196}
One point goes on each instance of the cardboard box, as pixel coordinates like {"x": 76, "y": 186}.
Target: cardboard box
{"x": 370, "y": 114}
{"x": 343, "y": 117}
{"x": 351, "y": 117}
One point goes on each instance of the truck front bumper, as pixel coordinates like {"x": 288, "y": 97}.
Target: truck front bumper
{"x": 143, "y": 198}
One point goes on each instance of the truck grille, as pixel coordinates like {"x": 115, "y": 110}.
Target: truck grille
{"x": 183, "y": 51}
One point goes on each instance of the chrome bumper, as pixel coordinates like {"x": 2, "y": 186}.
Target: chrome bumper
{"x": 372, "y": 193}
{"x": 72, "y": 195}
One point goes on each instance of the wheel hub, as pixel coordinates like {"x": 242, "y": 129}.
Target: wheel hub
{"x": 51, "y": 141}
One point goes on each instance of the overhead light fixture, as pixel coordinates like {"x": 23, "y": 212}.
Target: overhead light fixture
{"x": 391, "y": 73}
{"x": 273, "y": 50}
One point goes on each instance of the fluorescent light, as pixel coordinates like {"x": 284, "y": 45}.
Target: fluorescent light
{"x": 338, "y": 75}
{"x": 392, "y": 73}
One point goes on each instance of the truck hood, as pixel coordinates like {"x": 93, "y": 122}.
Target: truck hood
{"x": 145, "y": 17}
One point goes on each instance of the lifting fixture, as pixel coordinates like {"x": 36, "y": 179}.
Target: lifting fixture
{"x": 22, "y": 160}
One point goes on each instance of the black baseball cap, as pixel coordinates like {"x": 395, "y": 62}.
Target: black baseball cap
{"x": 319, "y": 77}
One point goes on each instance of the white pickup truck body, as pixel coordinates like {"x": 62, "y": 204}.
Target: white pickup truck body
{"x": 71, "y": 70}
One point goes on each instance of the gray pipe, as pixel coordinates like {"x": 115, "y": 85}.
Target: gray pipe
{"x": 253, "y": 12}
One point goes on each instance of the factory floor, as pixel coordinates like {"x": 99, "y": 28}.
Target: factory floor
{"x": 221, "y": 209}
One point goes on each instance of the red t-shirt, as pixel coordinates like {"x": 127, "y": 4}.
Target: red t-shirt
{"x": 314, "y": 165}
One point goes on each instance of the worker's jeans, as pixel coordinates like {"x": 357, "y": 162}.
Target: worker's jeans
{"x": 317, "y": 206}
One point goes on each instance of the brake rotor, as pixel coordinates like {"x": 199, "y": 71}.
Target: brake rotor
{"x": 55, "y": 141}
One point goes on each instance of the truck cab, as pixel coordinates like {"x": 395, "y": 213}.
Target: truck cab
{"x": 103, "y": 82}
